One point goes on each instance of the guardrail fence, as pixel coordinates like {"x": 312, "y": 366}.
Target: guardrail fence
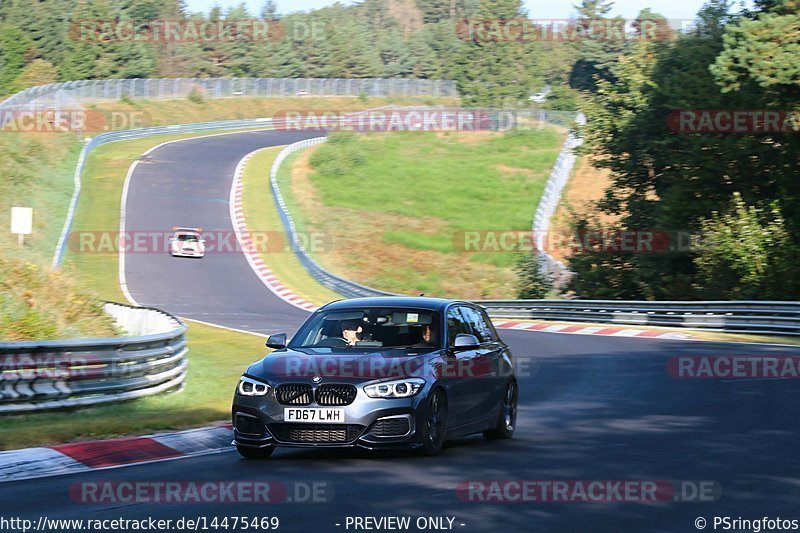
{"x": 343, "y": 286}
{"x": 40, "y": 375}
{"x": 548, "y": 203}
{"x": 760, "y": 317}
{"x": 58, "y": 95}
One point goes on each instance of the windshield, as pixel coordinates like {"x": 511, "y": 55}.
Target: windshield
{"x": 187, "y": 237}
{"x": 371, "y": 328}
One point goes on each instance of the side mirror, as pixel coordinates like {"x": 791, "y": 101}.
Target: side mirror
{"x": 277, "y": 341}
{"x": 465, "y": 341}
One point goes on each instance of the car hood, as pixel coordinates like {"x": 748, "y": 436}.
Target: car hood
{"x": 300, "y": 366}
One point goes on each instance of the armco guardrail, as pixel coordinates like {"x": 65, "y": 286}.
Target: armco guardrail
{"x": 42, "y": 375}
{"x": 498, "y": 120}
{"x": 343, "y": 286}
{"x": 71, "y": 93}
{"x": 126, "y": 135}
{"x": 765, "y": 317}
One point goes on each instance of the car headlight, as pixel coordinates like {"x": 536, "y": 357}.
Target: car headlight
{"x": 401, "y": 388}
{"x": 252, "y": 387}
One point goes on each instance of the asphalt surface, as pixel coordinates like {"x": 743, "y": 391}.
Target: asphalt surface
{"x": 188, "y": 184}
{"x": 591, "y": 408}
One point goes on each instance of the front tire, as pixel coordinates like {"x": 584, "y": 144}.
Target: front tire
{"x": 434, "y": 429}
{"x": 507, "y": 418}
{"x": 254, "y": 453}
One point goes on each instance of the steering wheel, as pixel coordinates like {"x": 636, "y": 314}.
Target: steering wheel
{"x": 332, "y": 341}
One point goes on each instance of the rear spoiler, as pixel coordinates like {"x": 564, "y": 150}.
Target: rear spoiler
{"x": 179, "y": 228}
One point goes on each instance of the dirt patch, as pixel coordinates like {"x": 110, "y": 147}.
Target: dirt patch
{"x": 507, "y": 170}
{"x": 585, "y": 188}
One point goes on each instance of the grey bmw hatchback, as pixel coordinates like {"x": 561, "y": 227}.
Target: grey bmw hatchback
{"x": 391, "y": 372}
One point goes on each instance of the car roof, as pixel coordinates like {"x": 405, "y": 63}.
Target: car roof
{"x": 418, "y": 302}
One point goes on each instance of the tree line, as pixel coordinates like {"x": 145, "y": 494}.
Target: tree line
{"x": 372, "y": 38}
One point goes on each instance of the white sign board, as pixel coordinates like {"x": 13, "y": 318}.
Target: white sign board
{"x": 21, "y": 220}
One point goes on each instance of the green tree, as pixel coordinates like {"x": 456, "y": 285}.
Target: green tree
{"x": 496, "y": 72}
{"x": 14, "y": 47}
{"x": 531, "y": 283}
{"x": 668, "y": 180}
{"x": 598, "y": 44}
{"x": 270, "y": 10}
{"x": 38, "y": 72}
{"x": 746, "y": 253}
{"x": 764, "y": 50}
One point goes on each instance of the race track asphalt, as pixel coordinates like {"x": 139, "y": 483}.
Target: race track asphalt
{"x": 188, "y": 184}
{"x": 591, "y": 408}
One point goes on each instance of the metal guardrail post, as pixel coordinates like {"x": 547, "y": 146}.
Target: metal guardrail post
{"x": 42, "y": 375}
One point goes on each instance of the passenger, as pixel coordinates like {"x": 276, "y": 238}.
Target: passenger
{"x": 352, "y": 332}
{"x": 426, "y": 341}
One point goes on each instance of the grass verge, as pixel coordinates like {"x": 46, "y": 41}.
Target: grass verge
{"x": 261, "y": 215}
{"x": 399, "y": 208}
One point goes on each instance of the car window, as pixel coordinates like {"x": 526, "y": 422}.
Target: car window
{"x": 370, "y": 328}
{"x": 479, "y": 326}
{"x": 489, "y": 324}
{"x": 455, "y": 325}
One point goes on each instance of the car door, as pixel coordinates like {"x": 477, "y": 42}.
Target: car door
{"x": 486, "y": 383}
{"x": 458, "y": 384}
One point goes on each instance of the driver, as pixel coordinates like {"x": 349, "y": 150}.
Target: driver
{"x": 426, "y": 338}
{"x": 352, "y": 332}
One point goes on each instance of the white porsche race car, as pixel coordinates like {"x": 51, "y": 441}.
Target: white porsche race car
{"x": 186, "y": 242}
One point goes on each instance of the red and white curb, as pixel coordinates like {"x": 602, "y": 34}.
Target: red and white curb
{"x": 78, "y": 457}
{"x": 590, "y": 330}
{"x": 250, "y": 250}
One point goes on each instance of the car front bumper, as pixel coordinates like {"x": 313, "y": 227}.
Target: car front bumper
{"x": 369, "y": 423}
